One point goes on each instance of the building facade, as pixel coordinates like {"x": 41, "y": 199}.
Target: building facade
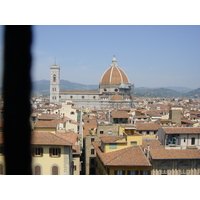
{"x": 115, "y": 90}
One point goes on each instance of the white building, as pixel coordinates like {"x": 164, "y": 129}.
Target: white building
{"x": 115, "y": 90}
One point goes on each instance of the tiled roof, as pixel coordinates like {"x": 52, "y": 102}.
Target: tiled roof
{"x": 147, "y": 126}
{"x": 111, "y": 139}
{"x": 184, "y": 130}
{"x": 116, "y": 97}
{"x": 70, "y": 137}
{"x": 47, "y": 138}
{"x": 45, "y": 124}
{"x": 129, "y": 156}
{"x": 157, "y": 151}
{"x": 48, "y": 117}
{"x": 119, "y": 114}
{"x": 114, "y": 75}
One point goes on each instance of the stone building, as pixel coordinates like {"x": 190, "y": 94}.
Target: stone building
{"x": 115, "y": 90}
{"x": 172, "y": 161}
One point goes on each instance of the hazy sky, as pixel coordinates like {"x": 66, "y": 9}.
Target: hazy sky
{"x": 151, "y": 56}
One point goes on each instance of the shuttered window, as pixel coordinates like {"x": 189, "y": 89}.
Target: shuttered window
{"x": 37, "y": 151}
{"x": 54, "y": 152}
{"x": 37, "y": 170}
{"x": 54, "y": 170}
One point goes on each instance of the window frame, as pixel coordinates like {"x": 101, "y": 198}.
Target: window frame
{"x": 37, "y": 151}
{"x": 55, "y": 152}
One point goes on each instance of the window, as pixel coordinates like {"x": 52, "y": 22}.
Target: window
{"x": 119, "y": 172}
{"x": 54, "y": 152}
{"x": 192, "y": 141}
{"x": 38, "y": 151}
{"x": 72, "y": 113}
{"x": 164, "y": 172}
{"x": 83, "y": 97}
{"x": 133, "y": 172}
{"x": 184, "y": 139}
{"x": 145, "y": 172}
{"x": 54, "y": 170}
{"x": 133, "y": 143}
{"x": 37, "y": 170}
{"x": 92, "y": 151}
{"x": 92, "y": 139}
{"x": 71, "y": 97}
{"x": 54, "y": 78}
{"x": 101, "y": 132}
{"x": 74, "y": 167}
{"x": 94, "y": 97}
{"x": 147, "y": 133}
{"x": 109, "y": 132}
{"x": 112, "y": 146}
{"x": 183, "y": 172}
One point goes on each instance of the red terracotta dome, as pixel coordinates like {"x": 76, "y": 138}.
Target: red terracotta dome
{"x": 114, "y": 75}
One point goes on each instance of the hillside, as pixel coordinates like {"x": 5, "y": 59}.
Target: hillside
{"x": 193, "y": 94}
{"x": 42, "y": 87}
{"x": 158, "y": 92}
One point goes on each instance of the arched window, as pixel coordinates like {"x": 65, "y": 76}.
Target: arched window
{"x": 54, "y": 170}
{"x": 37, "y": 170}
{"x": 54, "y": 78}
{"x": 1, "y": 169}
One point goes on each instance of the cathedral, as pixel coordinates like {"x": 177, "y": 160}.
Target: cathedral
{"x": 115, "y": 90}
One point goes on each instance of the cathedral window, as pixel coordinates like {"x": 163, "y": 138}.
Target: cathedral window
{"x": 54, "y": 78}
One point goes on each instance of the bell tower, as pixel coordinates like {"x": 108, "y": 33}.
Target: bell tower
{"x": 54, "y": 83}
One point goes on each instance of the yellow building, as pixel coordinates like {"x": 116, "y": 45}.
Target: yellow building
{"x": 123, "y": 161}
{"x": 131, "y": 136}
{"x": 52, "y": 155}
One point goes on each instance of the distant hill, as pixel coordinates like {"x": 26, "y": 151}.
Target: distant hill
{"x": 156, "y": 92}
{"x": 182, "y": 90}
{"x": 42, "y": 87}
{"x": 193, "y": 94}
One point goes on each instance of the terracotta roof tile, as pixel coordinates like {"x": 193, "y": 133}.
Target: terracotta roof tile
{"x": 147, "y": 126}
{"x": 129, "y": 156}
{"x": 179, "y": 130}
{"x": 111, "y": 139}
{"x": 48, "y": 138}
{"x": 157, "y": 151}
{"x": 45, "y": 124}
{"x": 119, "y": 114}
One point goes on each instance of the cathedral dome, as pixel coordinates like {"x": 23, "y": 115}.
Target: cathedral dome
{"x": 114, "y": 75}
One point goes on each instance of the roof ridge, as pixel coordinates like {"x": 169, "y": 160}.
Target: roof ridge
{"x": 145, "y": 155}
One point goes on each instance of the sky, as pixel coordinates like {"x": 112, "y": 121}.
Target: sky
{"x": 151, "y": 56}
